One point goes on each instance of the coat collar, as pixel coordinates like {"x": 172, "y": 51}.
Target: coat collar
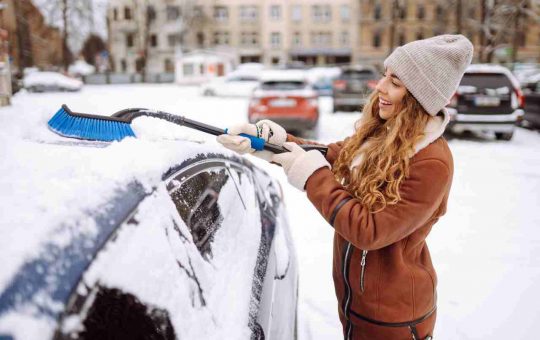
{"x": 433, "y": 130}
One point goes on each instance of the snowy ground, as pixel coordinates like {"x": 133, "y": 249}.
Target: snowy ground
{"x": 486, "y": 249}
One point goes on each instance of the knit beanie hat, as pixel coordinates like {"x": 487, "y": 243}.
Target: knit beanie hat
{"x": 432, "y": 68}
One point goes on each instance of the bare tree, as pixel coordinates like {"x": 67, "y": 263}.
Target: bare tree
{"x": 76, "y": 18}
{"x": 24, "y": 41}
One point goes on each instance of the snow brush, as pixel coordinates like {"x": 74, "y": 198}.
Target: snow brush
{"x": 118, "y": 126}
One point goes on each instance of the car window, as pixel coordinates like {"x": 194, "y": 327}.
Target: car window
{"x": 482, "y": 81}
{"x": 358, "y": 74}
{"x": 207, "y": 200}
{"x": 283, "y": 85}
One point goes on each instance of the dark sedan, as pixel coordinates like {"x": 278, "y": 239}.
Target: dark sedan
{"x": 532, "y": 105}
{"x": 143, "y": 240}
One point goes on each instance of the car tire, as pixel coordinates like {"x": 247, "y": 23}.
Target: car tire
{"x": 209, "y": 93}
{"x": 504, "y": 135}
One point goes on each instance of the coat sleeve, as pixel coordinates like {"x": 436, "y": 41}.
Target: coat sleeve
{"x": 421, "y": 195}
{"x": 333, "y": 148}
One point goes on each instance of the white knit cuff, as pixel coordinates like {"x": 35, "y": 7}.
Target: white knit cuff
{"x": 304, "y": 166}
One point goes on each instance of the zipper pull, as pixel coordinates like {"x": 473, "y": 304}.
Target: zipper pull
{"x": 363, "y": 261}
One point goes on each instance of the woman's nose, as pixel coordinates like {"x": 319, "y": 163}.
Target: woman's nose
{"x": 380, "y": 85}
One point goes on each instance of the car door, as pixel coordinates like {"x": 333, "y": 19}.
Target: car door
{"x": 181, "y": 266}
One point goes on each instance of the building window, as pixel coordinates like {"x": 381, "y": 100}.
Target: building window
{"x": 297, "y": 39}
{"x": 275, "y": 60}
{"x": 377, "y": 12}
{"x": 198, "y": 11}
{"x": 168, "y": 66}
{"x": 221, "y": 13}
{"x": 173, "y": 13}
{"x": 127, "y": 13}
{"x": 439, "y": 12}
{"x": 115, "y": 14}
{"x": 377, "y": 39}
{"x": 221, "y": 38}
{"x": 297, "y": 13}
{"x": 174, "y": 39}
{"x": 188, "y": 69}
{"x": 150, "y": 13}
{"x": 345, "y": 13}
{"x": 275, "y": 12}
{"x": 123, "y": 65}
{"x": 153, "y": 40}
{"x": 249, "y": 39}
{"x": 401, "y": 39}
{"x": 129, "y": 40}
{"x": 321, "y": 38}
{"x": 321, "y": 13}
{"x": 344, "y": 38}
{"x": 402, "y": 12}
{"x": 472, "y": 12}
{"x": 419, "y": 35}
{"x": 248, "y": 13}
{"x": 200, "y": 39}
{"x": 275, "y": 39}
{"x": 421, "y": 12}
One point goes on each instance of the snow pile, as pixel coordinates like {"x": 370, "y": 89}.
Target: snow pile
{"x": 81, "y": 68}
{"x": 51, "y": 79}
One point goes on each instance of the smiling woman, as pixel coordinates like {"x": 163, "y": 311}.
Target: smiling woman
{"x": 383, "y": 188}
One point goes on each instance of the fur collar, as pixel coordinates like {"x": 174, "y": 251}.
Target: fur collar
{"x": 433, "y": 130}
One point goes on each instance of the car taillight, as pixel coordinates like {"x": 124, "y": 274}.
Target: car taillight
{"x": 371, "y": 84}
{"x": 454, "y": 101}
{"x": 520, "y": 98}
{"x": 340, "y": 84}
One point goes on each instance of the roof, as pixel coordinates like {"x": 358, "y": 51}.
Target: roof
{"x": 283, "y": 75}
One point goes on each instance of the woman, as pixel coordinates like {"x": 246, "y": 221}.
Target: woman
{"x": 382, "y": 189}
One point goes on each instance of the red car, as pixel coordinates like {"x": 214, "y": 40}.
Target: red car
{"x": 285, "y": 97}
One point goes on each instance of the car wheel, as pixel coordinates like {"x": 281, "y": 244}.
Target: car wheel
{"x": 209, "y": 93}
{"x": 504, "y": 135}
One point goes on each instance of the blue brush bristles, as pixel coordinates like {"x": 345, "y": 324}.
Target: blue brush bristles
{"x": 88, "y": 127}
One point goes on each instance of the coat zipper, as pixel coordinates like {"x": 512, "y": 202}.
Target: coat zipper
{"x": 363, "y": 265}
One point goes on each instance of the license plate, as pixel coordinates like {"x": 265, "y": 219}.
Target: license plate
{"x": 486, "y": 101}
{"x": 283, "y": 103}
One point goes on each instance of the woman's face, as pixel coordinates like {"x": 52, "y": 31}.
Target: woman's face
{"x": 391, "y": 93}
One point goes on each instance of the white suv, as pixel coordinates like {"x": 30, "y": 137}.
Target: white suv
{"x": 488, "y": 99}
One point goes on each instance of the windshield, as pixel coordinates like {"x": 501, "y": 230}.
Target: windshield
{"x": 283, "y": 85}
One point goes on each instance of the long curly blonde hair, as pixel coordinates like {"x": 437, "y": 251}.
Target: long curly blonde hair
{"x": 385, "y": 147}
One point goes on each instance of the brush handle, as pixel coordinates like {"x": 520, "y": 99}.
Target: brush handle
{"x": 257, "y": 143}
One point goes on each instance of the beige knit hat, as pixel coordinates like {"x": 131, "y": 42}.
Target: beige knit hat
{"x": 432, "y": 68}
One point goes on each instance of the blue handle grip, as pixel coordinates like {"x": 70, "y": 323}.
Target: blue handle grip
{"x": 256, "y": 142}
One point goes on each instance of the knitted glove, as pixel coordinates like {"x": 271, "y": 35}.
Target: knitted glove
{"x": 265, "y": 129}
{"x": 298, "y": 164}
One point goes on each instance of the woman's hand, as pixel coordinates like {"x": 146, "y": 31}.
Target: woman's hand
{"x": 266, "y": 129}
{"x": 298, "y": 164}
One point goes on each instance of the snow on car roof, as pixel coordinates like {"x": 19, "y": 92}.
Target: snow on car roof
{"x": 48, "y": 180}
{"x": 283, "y": 75}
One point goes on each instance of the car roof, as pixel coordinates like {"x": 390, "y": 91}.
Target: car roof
{"x": 283, "y": 75}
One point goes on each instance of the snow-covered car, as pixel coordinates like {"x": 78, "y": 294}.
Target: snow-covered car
{"x": 50, "y": 81}
{"x": 142, "y": 240}
{"x": 286, "y": 97}
{"x": 236, "y": 84}
{"x": 488, "y": 99}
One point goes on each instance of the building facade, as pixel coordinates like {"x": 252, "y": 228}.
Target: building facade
{"x": 316, "y": 32}
{"x": 31, "y": 42}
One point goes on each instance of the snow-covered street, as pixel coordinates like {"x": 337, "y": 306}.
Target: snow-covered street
{"x": 486, "y": 249}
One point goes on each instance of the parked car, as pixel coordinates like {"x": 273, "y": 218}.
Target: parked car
{"x": 286, "y": 97}
{"x": 532, "y": 105}
{"x": 352, "y": 87}
{"x": 50, "y": 81}
{"x": 136, "y": 241}
{"x": 322, "y": 79}
{"x": 240, "y": 84}
{"x": 488, "y": 99}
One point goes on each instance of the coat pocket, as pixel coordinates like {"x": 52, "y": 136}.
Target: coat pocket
{"x": 363, "y": 263}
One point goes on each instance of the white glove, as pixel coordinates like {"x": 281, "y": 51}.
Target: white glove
{"x": 265, "y": 129}
{"x": 298, "y": 164}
